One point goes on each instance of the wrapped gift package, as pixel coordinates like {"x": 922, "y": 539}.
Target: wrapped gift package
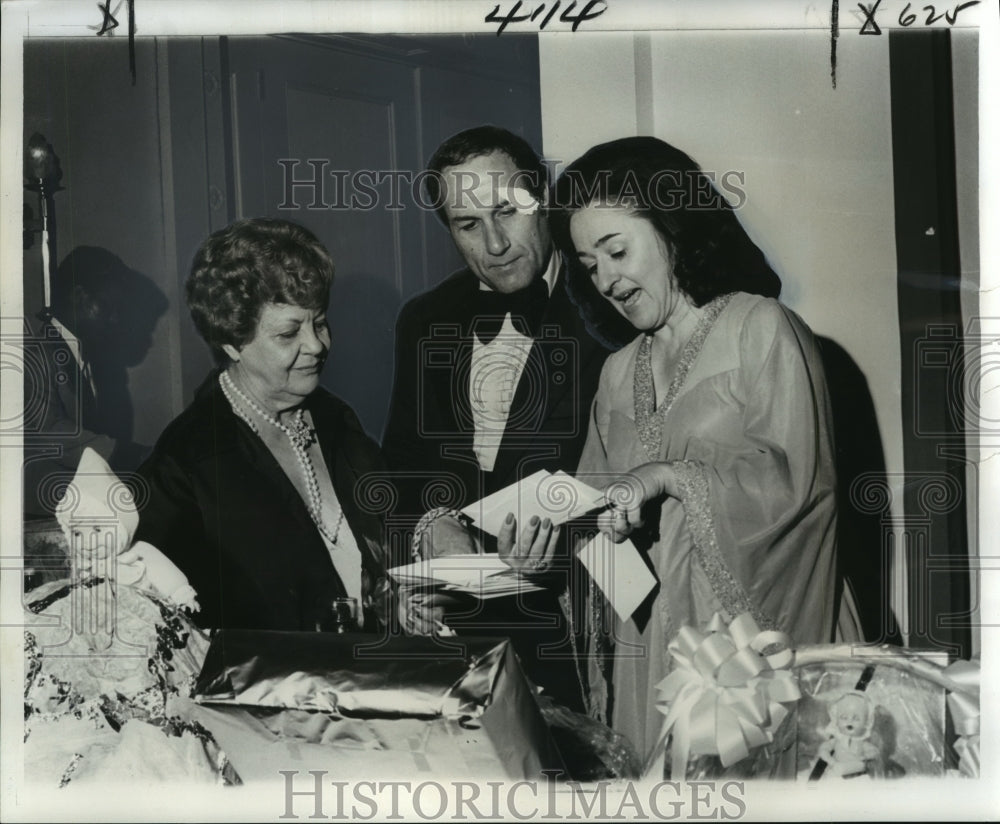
{"x": 357, "y": 706}
{"x": 869, "y": 721}
{"x": 772, "y": 761}
{"x": 744, "y": 704}
{"x": 885, "y": 712}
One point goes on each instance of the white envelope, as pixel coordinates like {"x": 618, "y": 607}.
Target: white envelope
{"x": 556, "y": 496}
{"x": 485, "y": 576}
{"x": 620, "y": 571}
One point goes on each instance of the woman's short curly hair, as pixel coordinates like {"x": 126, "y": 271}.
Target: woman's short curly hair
{"x": 712, "y": 253}
{"x": 250, "y": 263}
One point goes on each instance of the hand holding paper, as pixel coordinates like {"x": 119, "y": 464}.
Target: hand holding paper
{"x": 618, "y": 569}
{"x": 628, "y": 494}
{"x": 423, "y": 613}
{"x": 556, "y": 496}
{"x": 531, "y": 551}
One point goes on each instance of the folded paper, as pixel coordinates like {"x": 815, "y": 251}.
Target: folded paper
{"x": 484, "y": 576}
{"x": 619, "y": 571}
{"x": 556, "y": 496}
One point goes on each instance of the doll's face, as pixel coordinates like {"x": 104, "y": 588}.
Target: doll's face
{"x": 851, "y": 715}
{"x": 94, "y": 544}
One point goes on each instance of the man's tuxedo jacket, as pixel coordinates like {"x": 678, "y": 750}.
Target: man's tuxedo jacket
{"x": 429, "y": 437}
{"x": 429, "y": 431}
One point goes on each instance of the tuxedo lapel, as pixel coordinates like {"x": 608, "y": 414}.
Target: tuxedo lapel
{"x": 550, "y": 373}
{"x": 549, "y": 383}
{"x": 89, "y": 408}
{"x": 565, "y": 345}
{"x": 446, "y": 375}
{"x": 446, "y": 368}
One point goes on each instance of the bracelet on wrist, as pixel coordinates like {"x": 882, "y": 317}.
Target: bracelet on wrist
{"x": 429, "y": 518}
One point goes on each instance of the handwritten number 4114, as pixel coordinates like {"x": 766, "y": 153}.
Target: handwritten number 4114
{"x": 592, "y": 10}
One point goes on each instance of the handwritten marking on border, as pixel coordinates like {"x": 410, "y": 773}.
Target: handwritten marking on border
{"x": 870, "y": 26}
{"x": 109, "y": 23}
{"x": 592, "y": 10}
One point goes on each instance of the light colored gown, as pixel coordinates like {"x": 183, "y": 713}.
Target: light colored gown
{"x": 748, "y": 428}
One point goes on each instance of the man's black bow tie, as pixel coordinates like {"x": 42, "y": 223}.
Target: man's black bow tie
{"x": 525, "y": 307}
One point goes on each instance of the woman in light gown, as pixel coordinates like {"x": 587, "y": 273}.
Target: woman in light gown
{"x": 710, "y": 432}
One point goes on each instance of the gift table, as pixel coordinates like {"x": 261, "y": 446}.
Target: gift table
{"x": 355, "y": 705}
{"x": 119, "y": 680}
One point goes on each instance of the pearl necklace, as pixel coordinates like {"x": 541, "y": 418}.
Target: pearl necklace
{"x": 300, "y": 435}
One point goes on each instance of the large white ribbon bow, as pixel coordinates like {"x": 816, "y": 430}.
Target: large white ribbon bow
{"x": 728, "y": 692}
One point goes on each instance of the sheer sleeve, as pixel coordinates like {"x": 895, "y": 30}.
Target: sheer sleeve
{"x": 594, "y": 458}
{"x": 611, "y": 441}
{"x": 762, "y": 513}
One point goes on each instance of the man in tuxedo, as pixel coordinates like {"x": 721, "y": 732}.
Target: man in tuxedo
{"x": 495, "y": 369}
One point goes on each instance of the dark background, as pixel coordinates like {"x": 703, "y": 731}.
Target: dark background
{"x": 150, "y": 169}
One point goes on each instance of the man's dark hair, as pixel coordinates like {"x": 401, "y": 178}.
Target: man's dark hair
{"x": 479, "y": 141}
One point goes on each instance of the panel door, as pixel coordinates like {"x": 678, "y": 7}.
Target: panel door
{"x": 332, "y": 133}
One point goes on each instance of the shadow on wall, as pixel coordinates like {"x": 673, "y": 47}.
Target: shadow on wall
{"x": 79, "y": 399}
{"x": 362, "y": 319}
{"x": 863, "y": 549}
{"x": 113, "y": 310}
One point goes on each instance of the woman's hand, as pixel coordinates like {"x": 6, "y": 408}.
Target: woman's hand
{"x": 533, "y": 550}
{"x": 422, "y": 612}
{"x": 627, "y": 495}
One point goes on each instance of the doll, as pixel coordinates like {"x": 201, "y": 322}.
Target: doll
{"x": 848, "y": 750}
{"x": 98, "y": 517}
{"x": 110, "y": 648}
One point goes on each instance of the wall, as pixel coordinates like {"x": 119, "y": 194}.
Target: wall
{"x": 148, "y": 172}
{"x": 369, "y": 104}
{"x": 817, "y": 160}
{"x": 106, "y": 134}
{"x": 965, "y": 88}
{"x": 588, "y": 84}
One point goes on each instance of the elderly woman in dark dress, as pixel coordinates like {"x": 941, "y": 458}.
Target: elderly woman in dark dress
{"x": 251, "y": 490}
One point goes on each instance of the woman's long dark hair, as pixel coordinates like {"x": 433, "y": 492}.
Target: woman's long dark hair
{"x": 712, "y": 253}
